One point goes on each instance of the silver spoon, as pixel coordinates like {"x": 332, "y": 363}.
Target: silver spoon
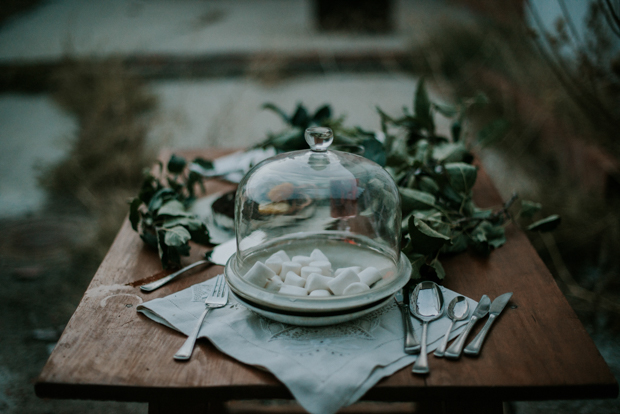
{"x": 458, "y": 310}
{"x": 426, "y": 304}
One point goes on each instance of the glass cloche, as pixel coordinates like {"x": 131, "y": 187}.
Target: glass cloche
{"x": 328, "y": 212}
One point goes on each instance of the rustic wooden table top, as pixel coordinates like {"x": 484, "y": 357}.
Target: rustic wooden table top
{"x": 537, "y": 350}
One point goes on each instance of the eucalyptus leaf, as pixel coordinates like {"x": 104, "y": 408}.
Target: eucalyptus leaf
{"x": 278, "y": 111}
{"x": 173, "y": 208}
{"x": 422, "y": 108}
{"x": 547, "y": 224}
{"x": 417, "y": 261}
{"x": 428, "y": 185}
{"x": 451, "y": 152}
{"x": 461, "y": 176}
{"x": 300, "y": 118}
{"x": 160, "y": 197}
{"x": 176, "y": 236}
{"x": 529, "y": 208}
{"x": 439, "y": 270}
{"x": 204, "y": 163}
{"x": 445, "y": 109}
{"x": 176, "y": 164}
{"x": 374, "y": 151}
{"x": 487, "y": 236}
{"x": 415, "y": 200}
{"x": 322, "y": 114}
{"x": 134, "y": 213}
{"x": 424, "y": 239}
{"x": 455, "y": 130}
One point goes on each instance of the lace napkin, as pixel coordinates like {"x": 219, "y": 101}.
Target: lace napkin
{"x": 325, "y": 368}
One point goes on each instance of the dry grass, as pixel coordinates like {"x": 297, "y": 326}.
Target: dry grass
{"x": 104, "y": 164}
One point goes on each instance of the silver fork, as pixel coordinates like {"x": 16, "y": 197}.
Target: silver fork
{"x": 216, "y": 299}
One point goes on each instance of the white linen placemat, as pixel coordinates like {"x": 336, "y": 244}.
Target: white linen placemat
{"x": 325, "y": 368}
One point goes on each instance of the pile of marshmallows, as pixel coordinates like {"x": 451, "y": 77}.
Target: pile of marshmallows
{"x": 310, "y": 276}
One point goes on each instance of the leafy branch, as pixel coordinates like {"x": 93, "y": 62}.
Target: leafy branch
{"x": 159, "y": 213}
{"x": 435, "y": 179}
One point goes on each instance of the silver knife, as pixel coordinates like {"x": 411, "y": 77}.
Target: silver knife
{"x": 481, "y": 310}
{"x": 496, "y": 308}
{"x": 412, "y": 345}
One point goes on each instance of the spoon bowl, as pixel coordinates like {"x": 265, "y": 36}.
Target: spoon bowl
{"x": 426, "y": 304}
{"x": 458, "y": 310}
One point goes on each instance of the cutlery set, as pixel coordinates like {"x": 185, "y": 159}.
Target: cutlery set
{"x": 426, "y": 303}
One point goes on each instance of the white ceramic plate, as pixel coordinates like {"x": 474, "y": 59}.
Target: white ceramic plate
{"x": 303, "y": 320}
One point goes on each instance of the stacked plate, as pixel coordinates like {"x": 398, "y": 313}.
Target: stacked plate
{"x": 315, "y": 311}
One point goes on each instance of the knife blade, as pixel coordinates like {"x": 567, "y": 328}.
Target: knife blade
{"x": 497, "y": 307}
{"x": 454, "y": 352}
{"x": 412, "y": 345}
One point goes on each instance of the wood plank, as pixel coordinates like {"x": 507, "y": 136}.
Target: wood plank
{"x": 538, "y": 349}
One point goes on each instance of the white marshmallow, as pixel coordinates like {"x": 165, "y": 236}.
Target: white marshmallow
{"x": 318, "y": 256}
{"x": 354, "y": 288}
{"x": 302, "y": 260}
{"x": 274, "y": 263}
{"x": 281, "y": 254}
{"x": 274, "y": 283}
{"x": 259, "y": 274}
{"x": 369, "y": 275}
{"x": 317, "y": 281}
{"x": 293, "y": 290}
{"x": 307, "y": 270}
{"x": 338, "y": 284}
{"x": 325, "y": 266}
{"x": 320, "y": 293}
{"x": 294, "y": 279}
{"x": 356, "y": 269}
{"x": 290, "y": 267}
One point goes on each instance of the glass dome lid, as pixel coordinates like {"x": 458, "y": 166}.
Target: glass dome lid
{"x": 344, "y": 205}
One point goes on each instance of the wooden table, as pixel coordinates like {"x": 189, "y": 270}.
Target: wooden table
{"x": 538, "y": 349}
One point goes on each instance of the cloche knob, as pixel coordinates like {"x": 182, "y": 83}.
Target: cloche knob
{"x": 319, "y": 138}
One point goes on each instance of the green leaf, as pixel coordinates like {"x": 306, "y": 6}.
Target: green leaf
{"x": 451, "y": 152}
{"x": 492, "y": 132}
{"x": 547, "y": 224}
{"x": 322, "y": 114}
{"x": 278, "y": 111}
{"x": 206, "y": 164}
{"x": 439, "y": 270}
{"x": 176, "y": 236}
{"x": 374, "y": 151}
{"x": 300, "y": 118}
{"x": 487, "y": 236}
{"x": 160, "y": 197}
{"x": 173, "y": 208}
{"x": 529, "y": 208}
{"x": 424, "y": 239}
{"x": 446, "y": 110}
{"x": 176, "y": 164}
{"x": 289, "y": 140}
{"x": 461, "y": 176}
{"x": 428, "y": 185}
{"x": 417, "y": 261}
{"x": 134, "y": 213}
{"x": 415, "y": 200}
{"x": 190, "y": 223}
{"x": 455, "y": 130}
{"x": 459, "y": 244}
{"x": 422, "y": 107}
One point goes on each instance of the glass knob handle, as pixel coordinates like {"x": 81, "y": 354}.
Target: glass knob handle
{"x": 319, "y": 138}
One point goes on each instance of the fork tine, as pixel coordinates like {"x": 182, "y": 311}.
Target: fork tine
{"x": 218, "y": 289}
